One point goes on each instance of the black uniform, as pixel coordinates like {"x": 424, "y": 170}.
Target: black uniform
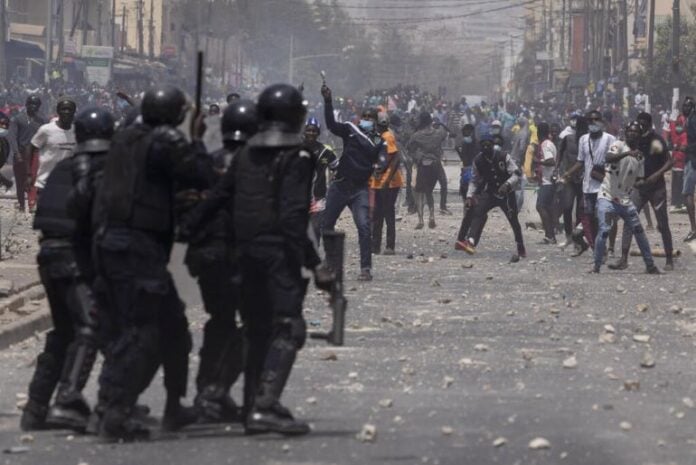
{"x": 489, "y": 174}
{"x": 210, "y": 258}
{"x": 71, "y": 347}
{"x": 268, "y": 191}
{"x": 135, "y": 235}
{"x": 324, "y": 160}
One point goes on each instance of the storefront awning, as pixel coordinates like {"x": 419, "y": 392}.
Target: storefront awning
{"x": 20, "y": 49}
{"x": 23, "y": 29}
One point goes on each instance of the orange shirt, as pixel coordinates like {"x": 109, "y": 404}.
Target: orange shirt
{"x": 396, "y": 180}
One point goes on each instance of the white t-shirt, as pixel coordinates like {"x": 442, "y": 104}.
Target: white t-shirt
{"x": 592, "y": 152}
{"x": 621, "y": 176}
{"x": 548, "y": 152}
{"x": 54, "y": 144}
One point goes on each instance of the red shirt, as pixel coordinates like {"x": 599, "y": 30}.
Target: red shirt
{"x": 678, "y": 139}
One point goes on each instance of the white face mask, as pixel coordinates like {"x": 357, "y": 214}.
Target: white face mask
{"x": 497, "y": 148}
{"x": 4, "y": 132}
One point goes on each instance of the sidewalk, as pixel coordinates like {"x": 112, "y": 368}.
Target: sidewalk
{"x": 21, "y": 309}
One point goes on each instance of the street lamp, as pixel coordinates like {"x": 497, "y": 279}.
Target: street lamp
{"x": 292, "y": 58}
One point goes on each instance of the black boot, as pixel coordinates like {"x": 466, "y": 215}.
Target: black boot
{"x": 177, "y": 416}
{"x": 33, "y": 416}
{"x": 276, "y": 419}
{"x": 215, "y": 405}
{"x": 41, "y": 387}
{"x": 119, "y": 424}
{"x": 71, "y": 410}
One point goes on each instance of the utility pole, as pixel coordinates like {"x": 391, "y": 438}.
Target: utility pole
{"x": 291, "y": 64}
{"x": 676, "y": 29}
{"x": 124, "y": 22}
{"x": 561, "y": 51}
{"x": 85, "y": 17}
{"x": 651, "y": 36}
{"x": 152, "y": 30}
{"x": 99, "y": 23}
{"x": 113, "y": 24}
{"x": 49, "y": 44}
{"x": 3, "y": 40}
{"x": 139, "y": 19}
{"x": 60, "y": 32}
{"x": 624, "y": 39}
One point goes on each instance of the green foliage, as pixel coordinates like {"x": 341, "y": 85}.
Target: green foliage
{"x": 659, "y": 81}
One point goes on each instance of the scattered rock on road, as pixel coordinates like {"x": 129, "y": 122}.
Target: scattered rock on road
{"x": 539, "y": 443}
{"x": 368, "y": 433}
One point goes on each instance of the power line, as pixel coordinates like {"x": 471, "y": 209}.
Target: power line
{"x": 377, "y": 21}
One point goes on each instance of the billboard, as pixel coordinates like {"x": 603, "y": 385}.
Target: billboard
{"x": 97, "y": 63}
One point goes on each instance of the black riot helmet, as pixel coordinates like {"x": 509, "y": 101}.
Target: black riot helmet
{"x": 164, "y": 105}
{"x": 94, "y": 128}
{"x": 239, "y": 121}
{"x": 33, "y": 101}
{"x": 281, "y": 111}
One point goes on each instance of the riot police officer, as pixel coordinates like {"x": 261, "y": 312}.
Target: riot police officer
{"x": 147, "y": 163}
{"x": 210, "y": 259}
{"x": 268, "y": 189}
{"x": 64, "y": 267}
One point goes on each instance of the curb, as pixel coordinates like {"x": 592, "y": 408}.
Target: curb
{"x": 25, "y": 327}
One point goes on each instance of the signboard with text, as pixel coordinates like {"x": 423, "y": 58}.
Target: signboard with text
{"x": 98, "y": 63}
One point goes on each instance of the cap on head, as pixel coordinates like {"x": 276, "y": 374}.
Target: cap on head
{"x": 65, "y": 103}
{"x": 314, "y": 122}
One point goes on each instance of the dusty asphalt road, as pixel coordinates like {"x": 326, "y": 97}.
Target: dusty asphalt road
{"x": 448, "y": 354}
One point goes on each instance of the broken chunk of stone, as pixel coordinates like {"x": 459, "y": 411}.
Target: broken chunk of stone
{"x": 642, "y": 307}
{"x": 499, "y": 441}
{"x": 6, "y": 287}
{"x": 368, "y": 433}
{"x": 641, "y": 338}
{"x": 447, "y": 430}
{"x": 570, "y": 362}
{"x": 539, "y": 443}
{"x": 386, "y": 403}
{"x": 632, "y": 385}
{"x": 648, "y": 360}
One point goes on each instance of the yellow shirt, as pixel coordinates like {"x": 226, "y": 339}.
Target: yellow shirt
{"x": 396, "y": 180}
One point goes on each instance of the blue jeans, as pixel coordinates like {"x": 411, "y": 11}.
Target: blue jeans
{"x": 344, "y": 194}
{"x": 607, "y": 211}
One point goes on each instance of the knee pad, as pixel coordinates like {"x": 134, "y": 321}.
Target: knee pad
{"x": 83, "y": 306}
{"x": 292, "y": 329}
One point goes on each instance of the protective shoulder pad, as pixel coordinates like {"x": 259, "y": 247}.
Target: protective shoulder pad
{"x": 168, "y": 135}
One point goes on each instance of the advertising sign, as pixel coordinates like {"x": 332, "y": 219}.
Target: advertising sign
{"x": 97, "y": 63}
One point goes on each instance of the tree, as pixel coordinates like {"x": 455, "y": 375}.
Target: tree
{"x": 658, "y": 81}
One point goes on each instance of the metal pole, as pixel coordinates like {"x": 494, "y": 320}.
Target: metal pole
{"x": 651, "y": 35}
{"x": 291, "y": 64}
{"x": 85, "y": 16}
{"x": 139, "y": 25}
{"x": 624, "y": 38}
{"x": 113, "y": 24}
{"x": 60, "y": 32}
{"x": 49, "y": 44}
{"x": 99, "y": 23}
{"x": 676, "y": 29}
{"x": 3, "y": 40}
{"x": 152, "y": 30}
